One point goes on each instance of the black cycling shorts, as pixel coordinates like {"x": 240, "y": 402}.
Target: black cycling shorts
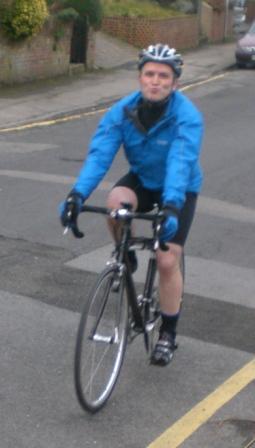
{"x": 147, "y": 198}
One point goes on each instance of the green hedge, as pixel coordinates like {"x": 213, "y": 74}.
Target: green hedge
{"x": 88, "y": 10}
{"x": 23, "y": 18}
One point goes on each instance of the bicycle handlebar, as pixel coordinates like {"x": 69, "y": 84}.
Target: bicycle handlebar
{"x": 122, "y": 214}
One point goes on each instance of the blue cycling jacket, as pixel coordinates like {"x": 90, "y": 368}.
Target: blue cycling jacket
{"x": 164, "y": 158}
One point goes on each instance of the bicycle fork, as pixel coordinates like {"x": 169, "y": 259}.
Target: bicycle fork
{"x": 95, "y": 335}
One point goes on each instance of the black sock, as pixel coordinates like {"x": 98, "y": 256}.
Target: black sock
{"x": 169, "y": 323}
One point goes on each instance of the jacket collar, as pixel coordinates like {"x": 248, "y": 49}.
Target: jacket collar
{"x": 131, "y": 112}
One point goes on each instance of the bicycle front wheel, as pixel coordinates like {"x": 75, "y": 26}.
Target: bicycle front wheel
{"x": 101, "y": 340}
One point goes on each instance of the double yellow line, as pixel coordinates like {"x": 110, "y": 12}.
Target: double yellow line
{"x": 174, "y": 436}
{"x": 51, "y": 122}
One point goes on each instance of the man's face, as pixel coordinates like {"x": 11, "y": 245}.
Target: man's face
{"x": 157, "y": 81}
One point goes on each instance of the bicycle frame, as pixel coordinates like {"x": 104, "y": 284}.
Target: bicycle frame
{"x": 140, "y": 318}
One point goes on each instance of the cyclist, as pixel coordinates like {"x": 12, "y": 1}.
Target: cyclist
{"x": 161, "y": 132}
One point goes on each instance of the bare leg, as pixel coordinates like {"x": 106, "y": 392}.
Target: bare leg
{"x": 170, "y": 279}
{"x": 114, "y": 200}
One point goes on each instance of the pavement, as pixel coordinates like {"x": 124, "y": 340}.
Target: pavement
{"x": 115, "y": 75}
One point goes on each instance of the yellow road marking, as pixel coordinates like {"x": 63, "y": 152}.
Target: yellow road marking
{"x": 39, "y": 124}
{"x": 250, "y": 444}
{"x": 190, "y": 422}
{"x": 52, "y": 122}
{"x": 205, "y": 81}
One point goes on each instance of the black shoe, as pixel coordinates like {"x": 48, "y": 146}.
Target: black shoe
{"x": 133, "y": 262}
{"x": 164, "y": 349}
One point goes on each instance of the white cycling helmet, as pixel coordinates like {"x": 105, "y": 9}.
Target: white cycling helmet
{"x": 162, "y": 54}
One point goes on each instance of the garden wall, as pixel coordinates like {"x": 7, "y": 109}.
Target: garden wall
{"x": 215, "y": 24}
{"x": 41, "y": 56}
{"x": 179, "y": 32}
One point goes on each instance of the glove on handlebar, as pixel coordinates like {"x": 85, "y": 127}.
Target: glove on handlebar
{"x": 70, "y": 209}
{"x": 170, "y": 224}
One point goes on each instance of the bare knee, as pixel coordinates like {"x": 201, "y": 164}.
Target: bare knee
{"x": 118, "y": 195}
{"x": 168, "y": 262}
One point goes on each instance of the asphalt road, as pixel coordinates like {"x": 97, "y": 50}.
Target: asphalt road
{"x": 45, "y": 277}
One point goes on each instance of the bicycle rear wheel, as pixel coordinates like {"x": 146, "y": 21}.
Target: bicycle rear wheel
{"x": 101, "y": 341}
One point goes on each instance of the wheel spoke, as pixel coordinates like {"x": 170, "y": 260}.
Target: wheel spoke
{"x": 94, "y": 370}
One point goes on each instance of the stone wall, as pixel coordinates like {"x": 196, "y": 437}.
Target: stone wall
{"x": 180, "y": 32}
{"x": 38, "y": 57}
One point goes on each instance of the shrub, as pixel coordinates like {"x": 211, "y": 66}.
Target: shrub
{"x": 67, "y": 14}
{"x": 88, "y": 10}
{"x": 23, "y": 18}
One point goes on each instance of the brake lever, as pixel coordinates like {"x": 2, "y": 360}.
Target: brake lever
{"x": 76, "y": 231}
{"x": 66, "y": 230}
{"x": 163, "y": 246}
{"x": 74, "y": 228}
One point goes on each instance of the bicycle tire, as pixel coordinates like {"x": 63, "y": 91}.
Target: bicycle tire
{"x": 98, "y": 358}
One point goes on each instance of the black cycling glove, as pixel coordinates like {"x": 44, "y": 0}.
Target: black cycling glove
{"x": 170, "y": 223}
{"x": 70, "y": 209}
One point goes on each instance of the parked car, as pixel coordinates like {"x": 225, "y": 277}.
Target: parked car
{"x": 245, "y": 48}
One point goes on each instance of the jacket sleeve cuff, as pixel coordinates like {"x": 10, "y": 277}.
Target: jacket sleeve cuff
{"x": 171, "y": 208}
{"x": 77, "y": 193}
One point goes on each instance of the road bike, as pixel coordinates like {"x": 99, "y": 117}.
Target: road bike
{"x": 114, "y": 313}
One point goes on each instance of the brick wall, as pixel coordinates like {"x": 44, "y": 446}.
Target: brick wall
{"x": 179, "y": 32}
{"x": 35, "y": 58}
{"x": 217, "y": 5}
{"x": 218, "y": 26}
{"x": 214, "y": 23}
{"x": 206, "y": 20}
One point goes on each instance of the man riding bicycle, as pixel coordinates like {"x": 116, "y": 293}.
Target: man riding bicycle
{"x": 161, "y": 132}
